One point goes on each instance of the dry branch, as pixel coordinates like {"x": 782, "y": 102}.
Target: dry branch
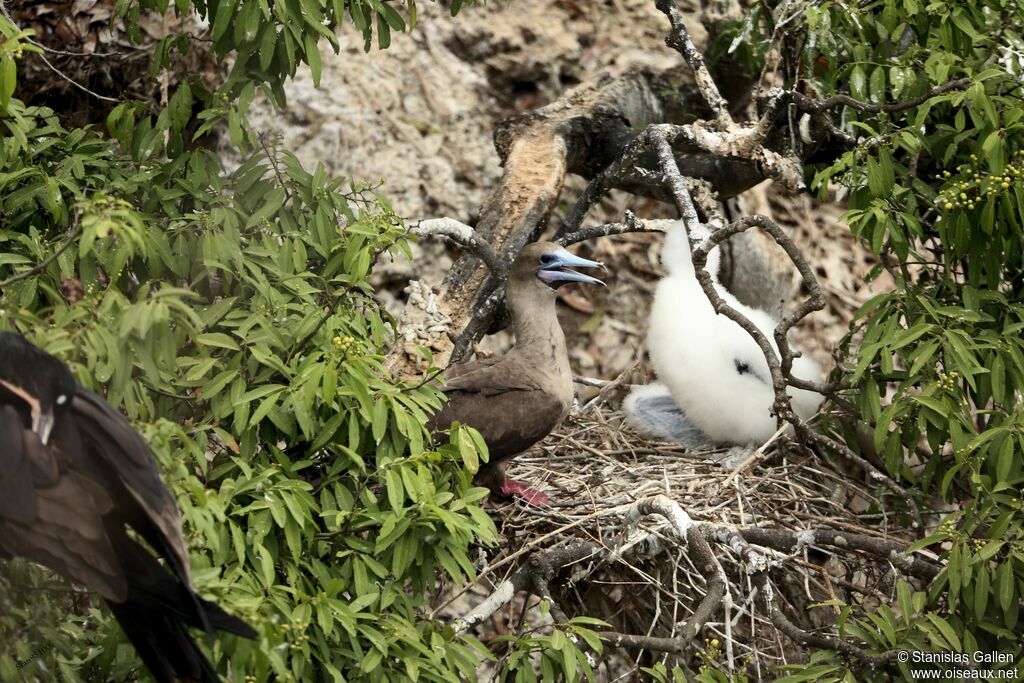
{"x": 803, "y": 637}
{"x": 74, "y": 232}
{"x": 679, "y": 39}
{"x": 465, "y": 236}
{"x": 544, "y": 567}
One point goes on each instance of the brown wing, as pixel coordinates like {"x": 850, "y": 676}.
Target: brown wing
{"x": 115, "y": 450}
{"x": 66, "y": 491}
{"x": 460, "y": 369}
{"x": 511, "y": 411}
{"x": 62, "y": 526}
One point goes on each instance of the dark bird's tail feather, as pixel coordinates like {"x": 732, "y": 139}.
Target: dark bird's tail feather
{"x": 164, "y": 645}
{"x": 157, "y": 613}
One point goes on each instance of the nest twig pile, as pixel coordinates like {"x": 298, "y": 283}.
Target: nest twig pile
{"x": 691, "y": 556}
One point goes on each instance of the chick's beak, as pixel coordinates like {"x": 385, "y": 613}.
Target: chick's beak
{"x": 557, "y": 269}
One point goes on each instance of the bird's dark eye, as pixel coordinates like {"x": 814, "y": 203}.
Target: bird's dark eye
{"x": 547, "y": 259}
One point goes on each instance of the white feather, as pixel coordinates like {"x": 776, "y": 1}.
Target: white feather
{"x": 696, "y": 354}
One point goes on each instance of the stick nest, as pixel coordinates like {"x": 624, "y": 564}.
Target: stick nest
{"x": 647, "y": 582}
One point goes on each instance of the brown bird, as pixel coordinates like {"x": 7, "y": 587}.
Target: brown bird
{"x": 515, "y": 400}
{"x": 74, "y": 476}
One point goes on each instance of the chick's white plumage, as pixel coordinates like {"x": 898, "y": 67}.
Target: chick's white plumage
{"x": 712, "y": 368}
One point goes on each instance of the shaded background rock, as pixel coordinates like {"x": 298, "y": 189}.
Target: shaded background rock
{"x": 421, "y": 115}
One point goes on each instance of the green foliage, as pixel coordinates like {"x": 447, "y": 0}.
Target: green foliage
{"x": 936, "y": 365}
{"x": 712, "y": 668}
{"x": 565, "y": 654}
{"x": 229, "y": 314}
{"x": 268, "y": 40}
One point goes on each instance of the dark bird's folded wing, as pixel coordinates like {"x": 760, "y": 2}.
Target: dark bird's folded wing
{"x": 116, "y": 448}
{"x": 17, "y": 499}
{"x": 63, "y": 527}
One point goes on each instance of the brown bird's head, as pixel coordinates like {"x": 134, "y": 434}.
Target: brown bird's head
{"x": 40, "y": 382}
{"x": 548, "y": 263}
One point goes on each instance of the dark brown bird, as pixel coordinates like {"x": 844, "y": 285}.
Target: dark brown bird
{"x": 74, "y": 476}
{"x": 515, "y": 400}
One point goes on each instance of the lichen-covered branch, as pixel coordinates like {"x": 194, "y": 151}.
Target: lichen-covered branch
{"x": 465, "y": 236}
{"x": 792, "y": 541}
{"x": 573, "y": 563}
{"x": 631, "y": 224}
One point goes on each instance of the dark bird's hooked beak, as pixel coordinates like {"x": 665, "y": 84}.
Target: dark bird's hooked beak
{"x": 42, "y": 424}
{"x": 555, "y": 264}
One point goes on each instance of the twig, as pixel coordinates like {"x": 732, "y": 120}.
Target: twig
{"x": 65, "y": 53}
{"x": 807, "y": 104}
{"x": 753, "y": 456}
{"x": 679, "y": 39}
{"x": 271, "y": 155}
{"x": 873, "y": 472}
{"x": 72, "y": 236}
{"x": 817, "y": 109}
{"x": 674, "y": 646}
{"x": 466, "y": 236}
{"x": 789, "y": 541}
{"x": 606, "y": 230}
{"x": 557, "y": 558}
{"x": 704, "y": 559}
{"x": 798, "y": 635}
{"x": 76, "y": 83}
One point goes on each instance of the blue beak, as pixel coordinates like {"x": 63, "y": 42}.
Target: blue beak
{"x": 553, "y": 265}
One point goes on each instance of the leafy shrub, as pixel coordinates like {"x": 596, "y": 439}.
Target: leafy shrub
{"x": 936, "y": 366}
{"x": 229, "y": 314}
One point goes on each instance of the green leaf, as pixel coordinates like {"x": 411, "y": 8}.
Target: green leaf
{"x": 946, "y": 630}
{"x": 313, "y": 58}
{"x": 1005, "y": 585}
{"x": 8, "y": 79}
{"x": 396, "y": 492}
{"x": 877, "y": 85}
{"x": 218, "y": 340}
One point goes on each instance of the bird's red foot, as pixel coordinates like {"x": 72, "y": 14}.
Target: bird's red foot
{"x": 519, "y": 489}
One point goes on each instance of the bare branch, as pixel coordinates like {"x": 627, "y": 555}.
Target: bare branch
{"x": 607, "y": 230}
{"x": 817, "y": 109}
{"x": 798, "y": 635}
{"x": 679, "y": 40}
{"x": 807, "y": 104}
{"x": 876, "y": 475}
{"x": 465, "y": 236}
{"x": 555, "y": 559}
{"x": 73, "y": 235}
{"x": 791, "y": 541}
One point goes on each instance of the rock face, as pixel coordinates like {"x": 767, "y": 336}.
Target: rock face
{"x": 421, "y": 113}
